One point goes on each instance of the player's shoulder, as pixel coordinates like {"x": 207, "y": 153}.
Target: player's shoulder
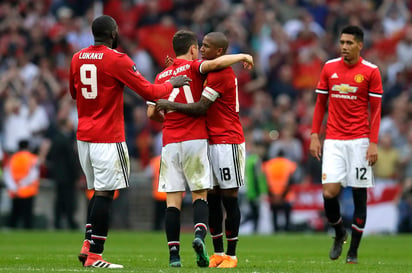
{"x": 165, "y": 74}
{"x": 224, "y": 73}
{"x": 368, "y": 64}
{"x": 334, "y": 61}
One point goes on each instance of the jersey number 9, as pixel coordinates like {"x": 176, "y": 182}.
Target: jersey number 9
{"x": 88, "y": 77}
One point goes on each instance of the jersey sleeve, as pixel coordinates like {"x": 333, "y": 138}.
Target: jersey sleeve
{"x": 323, "y": 85}
{"x": 197, "y": 67}
{"x": 72, "y": 89}
{"x": 322, "y": 91}
{"x": 375, "y": 86}
{"x": 375, "y": 101}
{"x": 126, "y": 71}
{"x": 214, "y": 86}
{"x": 319, "y": 112}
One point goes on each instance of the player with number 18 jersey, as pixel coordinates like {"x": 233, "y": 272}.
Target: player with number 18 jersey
{"x": 223, "y": 123}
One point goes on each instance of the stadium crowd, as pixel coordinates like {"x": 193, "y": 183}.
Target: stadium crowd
{"x": 289, "y": 39}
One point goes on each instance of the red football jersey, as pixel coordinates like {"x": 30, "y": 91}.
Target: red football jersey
{"x": 178, "y": 127}
{"x": 349, "y": 89}
{"x": 222, "y": 121}
{"x": 98, "y": 75}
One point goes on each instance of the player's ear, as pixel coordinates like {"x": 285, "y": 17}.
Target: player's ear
{"x": 192, "y": 49}
{"x": 220, "y": 51}
{"x": 360, "y": 45}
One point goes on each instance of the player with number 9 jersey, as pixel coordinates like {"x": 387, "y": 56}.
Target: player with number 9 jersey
{"x": 98, "y": 75}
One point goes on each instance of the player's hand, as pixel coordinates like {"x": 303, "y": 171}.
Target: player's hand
{"x": 180, "y": 81}
{"x": 372, "y": 154}
{"x": 315, "y": 147}
{"x": 248, "y": 62}
{"x": 163, "y": 104}
{"x": 169, "y": 61}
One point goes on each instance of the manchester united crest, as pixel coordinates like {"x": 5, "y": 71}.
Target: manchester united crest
{"x": 359, "y": 78}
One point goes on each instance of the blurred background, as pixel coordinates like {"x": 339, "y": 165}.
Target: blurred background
{"x": 289, "y": 39}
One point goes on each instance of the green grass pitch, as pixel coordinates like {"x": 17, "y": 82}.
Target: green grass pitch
{"x": 50, "y": 251}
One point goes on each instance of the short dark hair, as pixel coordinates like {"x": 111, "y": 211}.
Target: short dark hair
{"x": 103, "y": 26}
{"x": 183, "y": 40}
{"x": 219, "y": 40}
{"x": 356, "y": 31}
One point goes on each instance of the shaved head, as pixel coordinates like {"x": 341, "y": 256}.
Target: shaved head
{"x": 104, "y": 29}
{"x": 218, "y": 40}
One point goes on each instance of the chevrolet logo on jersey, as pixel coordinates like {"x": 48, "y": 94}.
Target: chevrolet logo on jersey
{"x": 344, "y": 88}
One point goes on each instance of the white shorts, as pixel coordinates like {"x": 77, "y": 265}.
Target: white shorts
{"x": 344, "y": 161}
{"x": 185, "y": 163}
{"x": 106, "y": 165}
{"x": 228, "y": 165}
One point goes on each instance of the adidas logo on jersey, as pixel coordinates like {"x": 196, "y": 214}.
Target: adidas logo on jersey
{"x": 334, "y": 76}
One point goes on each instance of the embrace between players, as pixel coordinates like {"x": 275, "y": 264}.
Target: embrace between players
{"x": 197, "y": 102}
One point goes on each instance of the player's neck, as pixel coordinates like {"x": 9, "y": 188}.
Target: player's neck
{"x": 187, "y": 57}
{"x": 352, "y": 61}
{"x": 99, "y": 43}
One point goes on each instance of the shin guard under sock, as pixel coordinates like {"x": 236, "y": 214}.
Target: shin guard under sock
{"x": 100, "y": 218}
{"x": 359, "y": 217}
{"x": 232, "y": 223}
{"x": 216, "y": 221}
{"x": 200, "y": 218}
{"x": 172, "y": 226}
{"x": 332, "y": 211}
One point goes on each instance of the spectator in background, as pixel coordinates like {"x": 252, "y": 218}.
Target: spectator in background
{"x": 255, "y": 181}
{"x": 405, "y": 208}
{"x": 287, "y": 141}
{"x": 38, "y": 122}
{"x": 159, "y": 198}
{"x": 403, "y": 56}
{"x": 394, "y": 15}
{"x": 64, "y": 168}
{"x": 279, "y": 172}
{"x": 282, "y": 83}
{"x": 16, "y": 124}
{"x": 387, "y": 169}
{"x": 21, "y": 176}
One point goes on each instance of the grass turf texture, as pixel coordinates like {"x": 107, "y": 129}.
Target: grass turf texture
{"x": 49, "y": 251}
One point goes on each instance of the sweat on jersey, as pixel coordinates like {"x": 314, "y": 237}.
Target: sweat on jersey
{"x": 98, "y": 75}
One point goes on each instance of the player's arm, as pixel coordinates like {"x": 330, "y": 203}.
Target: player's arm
{"x": 197, "y": 108}
{"x": 225, "y": 61}
{"x": 126, "y": 71}
{"x": 154, "y": 114}
{"x": 375, "y": 103}
{"x": 318, "y": 114}
{"x": 71, "y": 81}
{"x": 375, "y": 119}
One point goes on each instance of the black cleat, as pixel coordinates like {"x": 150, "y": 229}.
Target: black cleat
{"x": 174, "y": 261}
{"x": 337, "y": 246}
{"x": 199, "y": 247}
{"x": 352, "y": 258}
